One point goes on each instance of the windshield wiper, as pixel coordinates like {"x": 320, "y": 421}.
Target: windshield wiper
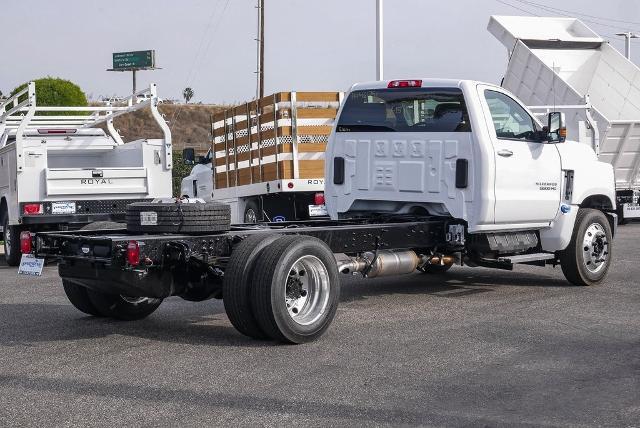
{"x": 364, "y": 128}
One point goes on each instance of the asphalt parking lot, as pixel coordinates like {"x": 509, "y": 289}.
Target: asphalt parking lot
{"x": 473, "y": 347}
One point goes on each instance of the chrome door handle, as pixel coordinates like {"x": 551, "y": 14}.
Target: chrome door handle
{"x": 505, "y": 153}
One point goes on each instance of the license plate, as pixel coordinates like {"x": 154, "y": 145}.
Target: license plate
{"x": 148, "y": 218}
{"x": 317, "y": 210}
{"x": 30, "y": 265}
{"x": 63, "y": 208}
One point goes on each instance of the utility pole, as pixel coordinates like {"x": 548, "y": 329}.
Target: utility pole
{"x": 628, "y": 35}
{"x": 260, "y": 72}
{"x": 379, "y": 40}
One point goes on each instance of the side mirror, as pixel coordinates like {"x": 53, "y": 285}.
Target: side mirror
{"x": 204, "y": 160}
{"x": 189, "y": 156}
{"x": 557, "y": 128}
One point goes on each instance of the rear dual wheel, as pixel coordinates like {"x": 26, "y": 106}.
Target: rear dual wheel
{"x": 99, "y": 304}
{"x": 288, "y": 290}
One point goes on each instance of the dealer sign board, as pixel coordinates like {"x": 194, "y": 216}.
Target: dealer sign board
{"x": 134, "y": 60}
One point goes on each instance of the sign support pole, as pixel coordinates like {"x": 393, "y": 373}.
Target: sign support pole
{"x": 134, "y": 82}
{"x": 379, "y": 40}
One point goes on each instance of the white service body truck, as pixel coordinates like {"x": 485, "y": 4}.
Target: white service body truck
{"x": 560, "y": 64}
{"x": 421, "y": 174}
{"x": 62, "y": 171}
{"x": 267, "y": 159}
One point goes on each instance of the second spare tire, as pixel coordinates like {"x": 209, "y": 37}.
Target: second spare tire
{"x": 178, "y": 217}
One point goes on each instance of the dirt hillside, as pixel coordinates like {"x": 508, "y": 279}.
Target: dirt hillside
{"x": 190, "y": 125}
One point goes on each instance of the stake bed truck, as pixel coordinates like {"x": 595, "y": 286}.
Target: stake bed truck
{"x": 59, "y": 170}
{"x": 267, "y": 158}
{"x": 421, "y": 174}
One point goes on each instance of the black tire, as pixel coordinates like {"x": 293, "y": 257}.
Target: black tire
{"x": 113, "y": 305}
{"x": 236, "y": 287}
{"x": 76, "y": 293}
{"x": 79, "y": 298}
{"x": 252, "y": 208}
{"x": 11, "y": 238}
{"x": 271, "y": 283}
{"x": 123, "y": 308}
{"x": 435, "y": 269}
{"x": 576, "y": 258}
{"x": 180, "y": 217}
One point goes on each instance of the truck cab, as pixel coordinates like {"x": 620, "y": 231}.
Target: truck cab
{"x": 199, "y": 182}
{"x": 463, "y": 149}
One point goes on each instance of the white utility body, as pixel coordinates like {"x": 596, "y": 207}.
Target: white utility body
{"x": 561, "y": 64}
{"x": 267, "y": 159}
{"x": 59, "y": 171}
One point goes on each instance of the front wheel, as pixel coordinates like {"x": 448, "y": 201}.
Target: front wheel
{"x": 587, "y": 259}
{"x": 252, "y": 212}
{"x": 11, "y": 238}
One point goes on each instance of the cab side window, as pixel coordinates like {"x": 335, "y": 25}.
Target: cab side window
{"x": 510, "y": 120}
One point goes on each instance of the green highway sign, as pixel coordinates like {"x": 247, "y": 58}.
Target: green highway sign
{"x": 134, "y": 60}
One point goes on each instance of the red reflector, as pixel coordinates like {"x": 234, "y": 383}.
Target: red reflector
{"x": 405, "y": 84}
{"x": 318, "y": 198}
{"x": 31, "y": 209}
{"x": 290, "y": 185}
{"x": 25, "y": 242}
{"x": 133, "y": 253}
{"x": 56, "y": 131}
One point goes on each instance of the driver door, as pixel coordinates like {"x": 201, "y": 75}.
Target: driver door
{"x": 527, "y": 171}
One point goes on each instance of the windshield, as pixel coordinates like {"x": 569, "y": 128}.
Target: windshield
{"x": 405, "y": 110}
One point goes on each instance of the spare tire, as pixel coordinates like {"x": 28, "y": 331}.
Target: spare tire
{"x": 178, "y": 217}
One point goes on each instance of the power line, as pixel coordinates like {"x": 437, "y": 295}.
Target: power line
{"x": 583, "y": 14}
{"x": 516, "y": 7}
{"x": 562, "y": 12}
{"x": 176, "y": 115}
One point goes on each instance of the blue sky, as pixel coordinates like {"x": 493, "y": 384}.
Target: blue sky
{"x": 310, "y": 45}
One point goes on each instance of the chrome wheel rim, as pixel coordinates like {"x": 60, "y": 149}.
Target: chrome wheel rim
{"x": 595, "y": 248}
{"x": 250, "y": 216}
{"x": 134, "y": 300}
{"x": 7, "y": 240}
{"x": 307, "y": 290}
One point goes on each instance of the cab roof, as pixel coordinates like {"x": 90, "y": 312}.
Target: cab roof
{"x": 426, "y": 83}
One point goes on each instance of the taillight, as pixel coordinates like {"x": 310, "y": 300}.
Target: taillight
{"x": 25, "y": 242}
{"x": 32, "y": 209}
{"x": 318, "y": 198}
{"x": 133, "y": 253}
{"x": 290, "y": 185}
{"x": 405, "y": 84}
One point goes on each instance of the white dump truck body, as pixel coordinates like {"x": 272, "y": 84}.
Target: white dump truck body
{"x": 560, "y": 63}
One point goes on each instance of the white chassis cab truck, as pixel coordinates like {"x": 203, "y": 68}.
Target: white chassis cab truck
{"x": 267, "y": 159}
{"x": 60, "y": 171}
{"x": 421, "y": 174}
{"x": 560, "y": 64}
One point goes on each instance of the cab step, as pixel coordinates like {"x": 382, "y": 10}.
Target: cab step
{"x": 527, "y": 258}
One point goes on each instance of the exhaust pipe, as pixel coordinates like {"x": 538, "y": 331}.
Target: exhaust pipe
{"x": 387, "y": 263}
{"x": 390, "y": 262}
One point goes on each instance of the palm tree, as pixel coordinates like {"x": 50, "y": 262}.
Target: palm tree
{"x": 187, "y": 94}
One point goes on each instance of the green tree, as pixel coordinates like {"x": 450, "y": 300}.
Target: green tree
{"x": 53, "y": 91}
{"x": 187, "y": 94}
{"x": 180, "y": 171}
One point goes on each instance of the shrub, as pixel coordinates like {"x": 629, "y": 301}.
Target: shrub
{"x": 53, "y": 91}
